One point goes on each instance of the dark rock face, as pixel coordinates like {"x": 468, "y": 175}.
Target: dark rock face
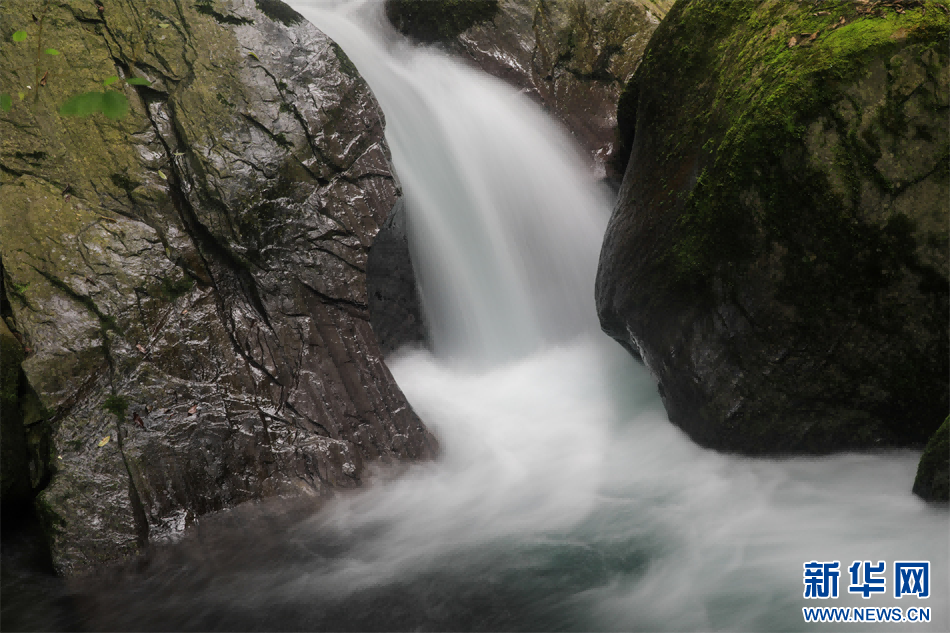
{"x": 933, "y": 473}
{"x": 395, "y": 306}
{"x": 573, "y": 55}
{"x": 189, "y": 281}
{"x": 778, "y": 253}
{"x": 438, "y": 21}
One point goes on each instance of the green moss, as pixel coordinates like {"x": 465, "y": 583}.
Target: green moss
{"x": 438, "y": 21}
{"x": 172, "y": 288}
{"x": 117, "y": 405}
{"x": 345, "y": 63}
{"x": 933, "y": 472}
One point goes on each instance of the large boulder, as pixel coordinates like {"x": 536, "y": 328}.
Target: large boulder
{"x": 575, "y": 56}
{"x": 778, "y": 253}
{"x": 933, "y": 472}
{"x": 187, "y": 281}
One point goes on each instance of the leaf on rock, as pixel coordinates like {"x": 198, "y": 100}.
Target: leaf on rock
{"x": 111, "y": 80}
{"x": 104, "y": 441}
{"x": 193, "y": 410}
{"x": 115, "y": 105}
{"x": 19, "y": 36}
{"x": 82, "y": 105}
{"x": 6, "y": 102}
{"x": 51, "y": 51}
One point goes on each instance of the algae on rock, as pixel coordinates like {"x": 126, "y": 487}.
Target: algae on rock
{"x": 201, "y": 260}
{"x": 778, "y": 255}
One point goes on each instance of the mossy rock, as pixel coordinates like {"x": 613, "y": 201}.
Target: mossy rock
{"x": 190, "y": 277}
{"x": 778, "y": 254}
{"x": 933, "y": 473}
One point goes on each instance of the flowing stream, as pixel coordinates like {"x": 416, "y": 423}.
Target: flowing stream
{"x": 564, "y": 498}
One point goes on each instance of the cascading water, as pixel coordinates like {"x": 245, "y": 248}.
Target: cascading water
{"x": 564, "y": 498}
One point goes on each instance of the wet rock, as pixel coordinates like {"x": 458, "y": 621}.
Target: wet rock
{"x": 933, "y": 473}
{"x": 395, "y": 307}
{"x": 14, "y": 473}
{"x": 190, "y": 279}
{"x": 574, "y": 56}
{"x": 778, "y": 253}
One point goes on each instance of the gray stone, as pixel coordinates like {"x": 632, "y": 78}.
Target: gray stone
{"x": 191, "y": 279}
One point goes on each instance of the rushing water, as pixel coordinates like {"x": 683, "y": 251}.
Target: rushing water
{"x": 564, "y": 498}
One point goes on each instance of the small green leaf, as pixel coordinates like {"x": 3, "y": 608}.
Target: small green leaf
{"x": 252, "y": 54}
{"x": 162, "y": 174}
{"x": 51, "y": 51}
{"x": 114, "y": 105}
{"x": 163, "y": 25}
{"x": 22, "y": 95}
{"x": 104, "y": 441}
{"x": 19, "y": 36}
{"x": 138, "y": 81}
{"x": 111, "y": 80}
{"x": 83, "y": 104}
{"x": 5, "y": 102}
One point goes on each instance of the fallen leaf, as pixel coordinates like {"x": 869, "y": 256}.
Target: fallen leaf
{"x": 823, "y": 13}
{"x": 162, "y": 174}
{"x": 184, "y": 312}
{"x": 193, "y": 410}
{"x": 793, "y": 42}
{"x": 43, "y": 80}
{"x": 104, "y": 441}
{"x": 813, "y": 36}
{"x": 140, "y": 348}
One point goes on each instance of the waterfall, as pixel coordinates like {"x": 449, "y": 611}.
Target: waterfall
{"x": 564, "y": 498}
{"x": 505, "y": 223}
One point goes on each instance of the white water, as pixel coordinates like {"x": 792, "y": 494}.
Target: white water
{"x": 562, "y": 481}
{"x": 564, "y": 498}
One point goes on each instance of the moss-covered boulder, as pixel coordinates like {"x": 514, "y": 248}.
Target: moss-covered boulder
{"x": 575, "y": 56}
{"x": 778, "y": 253}
{"x": 188, "y": 280}
{"x": 933, "y": 473}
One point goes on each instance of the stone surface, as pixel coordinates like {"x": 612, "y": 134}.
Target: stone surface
{"x": 778, "y": 253}
{"x": 189, "y": 280}
{"x": 933, "y": 473}
{"x": 395, "y": 306}
{"x": 574, "y": 56}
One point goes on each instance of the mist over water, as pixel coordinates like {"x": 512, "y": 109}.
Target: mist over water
{"x": 564, "y": 499}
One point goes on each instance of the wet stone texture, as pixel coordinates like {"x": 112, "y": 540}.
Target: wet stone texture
{"x": 189, "y": 281}
{"x": 574, "y": 56}
{"x": 778, "y": 252}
